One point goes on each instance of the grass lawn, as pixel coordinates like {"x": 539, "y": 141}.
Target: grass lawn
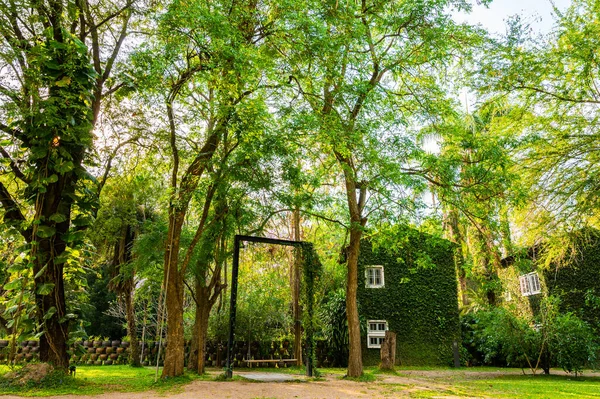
{"x": 92, "y": 380}
{"x": 411, "y": 382}
{"x": 541, "y": 386}
{"x": 497, "y": 383}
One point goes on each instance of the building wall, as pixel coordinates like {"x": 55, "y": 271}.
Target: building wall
{"x": 513, "y": 299}
{"x": 577, "y": 282}
{"x": 575, "y": 279}
{"x": 419, "y": 300}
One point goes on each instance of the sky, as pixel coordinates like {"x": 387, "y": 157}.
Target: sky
{"x": 537, "y": 12}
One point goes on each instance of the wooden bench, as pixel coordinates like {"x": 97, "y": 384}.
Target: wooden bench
{"x": 250, "y": 362}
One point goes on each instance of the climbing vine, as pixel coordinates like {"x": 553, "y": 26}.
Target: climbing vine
{"x": 311, "y": 269}
{"x": 419, "y": 300}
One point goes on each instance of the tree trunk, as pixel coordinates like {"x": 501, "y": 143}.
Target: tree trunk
{"x": 200, "y": 334}
{"x": 193, "y": 357}
{"x": 53, "y": 343}
{"x": 355, "y": 367}
{"x": 486, "y": 260}
{"x": 174, "y": 353}
{"x": 202, "y": 315}
{"x": 388, "y": 351}
{"x": 357, "y": 223}
{"x": 296, "y": 293}
{"x": 453, "y": 233}
{"x": 134, "y": 356}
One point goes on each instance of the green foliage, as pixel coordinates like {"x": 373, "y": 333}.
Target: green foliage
{"x": 100, "y": 299}
{"x": 549, "y": 339}
{"x": 500, "y": 338}
{"x": 365, "y": 377}
{"x": 311, "y": 271}
{"x": 419, "y": 302}
{"x": 573, "y": 273}
{"x": 334, "y": 326}
{"x": 573, "y": 344}
{"x": 552, "y": 81}
{"x": 95, "y": 380}
{"x": 263, "y": 297}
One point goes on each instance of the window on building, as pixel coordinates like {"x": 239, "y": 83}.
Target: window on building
{"x": 530, "y": 284}
{"x": 374, "y": 276}
{"x": 376, "y": 333}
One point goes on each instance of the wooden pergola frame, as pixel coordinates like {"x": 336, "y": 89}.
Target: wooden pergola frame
{"x": 238, "y": 239}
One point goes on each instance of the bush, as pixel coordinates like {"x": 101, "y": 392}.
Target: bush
{"x": 572, "y": 343}
{"x": 497, "y": 337}
{"x": 335, "y": 326}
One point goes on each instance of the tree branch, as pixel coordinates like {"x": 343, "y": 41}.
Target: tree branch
{"x": 13, "y": 166}
{"x": 12, "y": 213}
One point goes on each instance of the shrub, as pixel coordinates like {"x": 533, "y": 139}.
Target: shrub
{"x": 498, "y": 337}
{"x": 335, "y": 326}
{"x": 572, "y": 343}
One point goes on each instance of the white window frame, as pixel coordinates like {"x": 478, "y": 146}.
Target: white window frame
{"x": 374, "y": 267}
{"x": 377, "y": 333}
{"x": 530, "y": 284}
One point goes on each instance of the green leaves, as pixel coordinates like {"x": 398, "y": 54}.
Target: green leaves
{"x": 51, "y": 312}
{"x": 45, "y": 231}
{"x": 552, "y": 80}
{"x": 45, "y": 289}
{"x": 15, "y": 284}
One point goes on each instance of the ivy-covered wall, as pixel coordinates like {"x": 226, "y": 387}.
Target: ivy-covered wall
{"x": 577, "y": 283}
{"x": 419, "y": 300}
{"x": 513, "y": 299}
{"x": 575, "y": 280}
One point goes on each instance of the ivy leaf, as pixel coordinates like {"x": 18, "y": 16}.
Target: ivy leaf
{"x": 68, "y": 316}
{"x": 14, "y": 284}
{"x": 58, "y": 218}
{"x": 73, "y": 236}
{"x": 64, "y": 167}
{"x": 42, "y": 270}
{"x": 45, "y": 288}
{"x": 62, "y": 258}
{"x": 82, "y": 220}
{"x": 50, "y": 313}
{"x": 45, "y": 231}
{"x": 65, "y": 81}
{"x": 17, "y": 267}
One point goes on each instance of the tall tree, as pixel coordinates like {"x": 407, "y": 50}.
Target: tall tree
{"x": 555, "y": 79}
{"x": 475, "y": 180}
{"x": 366, "y": 71}
{"x": 127, "y": 204}
{"x": 50, "y": 92}
{"x": 209, "y": 58}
